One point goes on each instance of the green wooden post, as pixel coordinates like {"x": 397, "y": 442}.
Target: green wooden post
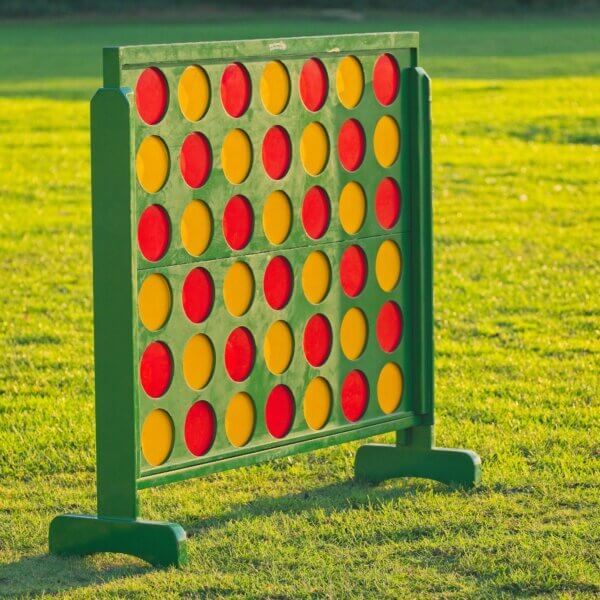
{"x": 116, "y": 528}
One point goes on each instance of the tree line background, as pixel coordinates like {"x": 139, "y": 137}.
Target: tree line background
{"x": 32, "y": 8}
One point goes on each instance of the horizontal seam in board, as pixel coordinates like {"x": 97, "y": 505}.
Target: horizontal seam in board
{"x": 274, "y": 251}
{"x": 258, "y": 449}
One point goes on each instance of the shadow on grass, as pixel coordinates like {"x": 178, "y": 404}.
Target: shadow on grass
{"x": 333, "y": 498}
{"x": 559, "y": 129}
{"x": 44, "y": 574}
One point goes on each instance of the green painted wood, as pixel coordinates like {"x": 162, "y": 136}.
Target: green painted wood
{"x": 419, "y": 100}
{"x": 116, "y": 416}
{"x": 135, "y": 57}
{"x": 161, "y": 544}
{"x": 219, "y": 390}
{"x": 176, "y": 263}
{"x": 173, "y": 129}
{"x": 406, "y": 423}
{"x": 377, "y": 462}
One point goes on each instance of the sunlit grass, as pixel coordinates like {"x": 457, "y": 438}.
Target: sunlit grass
{"x": 517, "y": 241}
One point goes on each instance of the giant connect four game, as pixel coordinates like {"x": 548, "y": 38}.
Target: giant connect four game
{"x": 262, "y": 248}
{"x": 270, "y": 244}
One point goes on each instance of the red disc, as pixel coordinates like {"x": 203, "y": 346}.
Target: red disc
{"x": 154, "y": 232}
{"x": 317, "y": 340}
{"x": 353, "y": 271}
{"x": 238, "y": 222}
{"x": 239, "y": 354}
{"x": 278, "y": 282}
{"x": 387, "y": 202}
{"x": 197, "y": 295}
{"x": 279, "y": 411}
{"x": 315, "y": 212}
{"x": 351, "y": 145}
{"x": 355, "y": 395}
{"x": 386, "y": 79}
{"x": 156, "y": 369}
{"x": 235, "y": 89}
{"x": 389, "y": 326}
{"x": 313, "y": 84}
{"x": 276, "y": 152}
{"x": 151, "y": 95}
{"x": 200, "y": 428}
{"x": 195, "y": 160}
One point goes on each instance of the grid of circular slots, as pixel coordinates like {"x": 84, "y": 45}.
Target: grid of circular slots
{"x": 281, "y": 346}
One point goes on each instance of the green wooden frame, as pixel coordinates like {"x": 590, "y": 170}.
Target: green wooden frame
{"x": 116, "y": 205}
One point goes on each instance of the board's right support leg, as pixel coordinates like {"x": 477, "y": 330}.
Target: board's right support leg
{"x": 159, "y": 543}
{"x": 413, "y": 455}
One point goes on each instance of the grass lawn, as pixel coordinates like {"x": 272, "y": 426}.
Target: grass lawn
{"x": 517, "y": 240}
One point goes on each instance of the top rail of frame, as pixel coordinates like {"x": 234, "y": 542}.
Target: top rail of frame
{"x": 117, "y": 59}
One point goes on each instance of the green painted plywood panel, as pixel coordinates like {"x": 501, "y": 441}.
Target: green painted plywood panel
{"x": 139, "y": 297}
{"x": 216, "y": 124}
{"x": 178, "y": 330}
{"x": 176, "y": 263}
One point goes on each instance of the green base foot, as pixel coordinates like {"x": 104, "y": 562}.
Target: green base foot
{"x": 378, "y": 462}
{"x": 160, "y": 544}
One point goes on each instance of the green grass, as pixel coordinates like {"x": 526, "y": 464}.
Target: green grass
{"x": 517, "y": 236}
{"x": 63, "y": 60}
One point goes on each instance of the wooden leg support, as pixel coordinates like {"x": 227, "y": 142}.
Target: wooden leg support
{"x": 415, "y": 456}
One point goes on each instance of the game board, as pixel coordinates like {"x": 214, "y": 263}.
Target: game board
{"x": 262, "y": 269}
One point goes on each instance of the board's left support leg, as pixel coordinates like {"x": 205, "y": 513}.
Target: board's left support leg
{"x": 159, "y": 543}
{"x": 414, "y": 456}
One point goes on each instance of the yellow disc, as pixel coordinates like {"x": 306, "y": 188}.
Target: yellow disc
{"x": 240, "y": 419}
{"x": 277, "y": 217}
{"x": 275, "y": 87}
{"x": 350, "y": 81}
{"x": 236, "y": 156}
{"x": 314, "y": 148}
{"x": 198, "y": 361}
{"x": 352, "y": 207}
{"x": 238, "y": 288}
{"x": 193, "y": 92}
{"x": 353, "y": 333}
{"x": 388, "y": 265}
{"x": 196, "y": 227}
{"x": 386, "y": 141}
{"x": 317, "y": 403}
{"x": 389, "y": 388}
{"x": 157, "y": 437}
{"x": 154, "y": 301}
{"x": 278, "y": 347}
{"x": 152, "y": 164}
{"x": 316, "y": 277}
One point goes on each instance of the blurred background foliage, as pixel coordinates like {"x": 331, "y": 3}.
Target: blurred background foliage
{"x": 32, "y": 8}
